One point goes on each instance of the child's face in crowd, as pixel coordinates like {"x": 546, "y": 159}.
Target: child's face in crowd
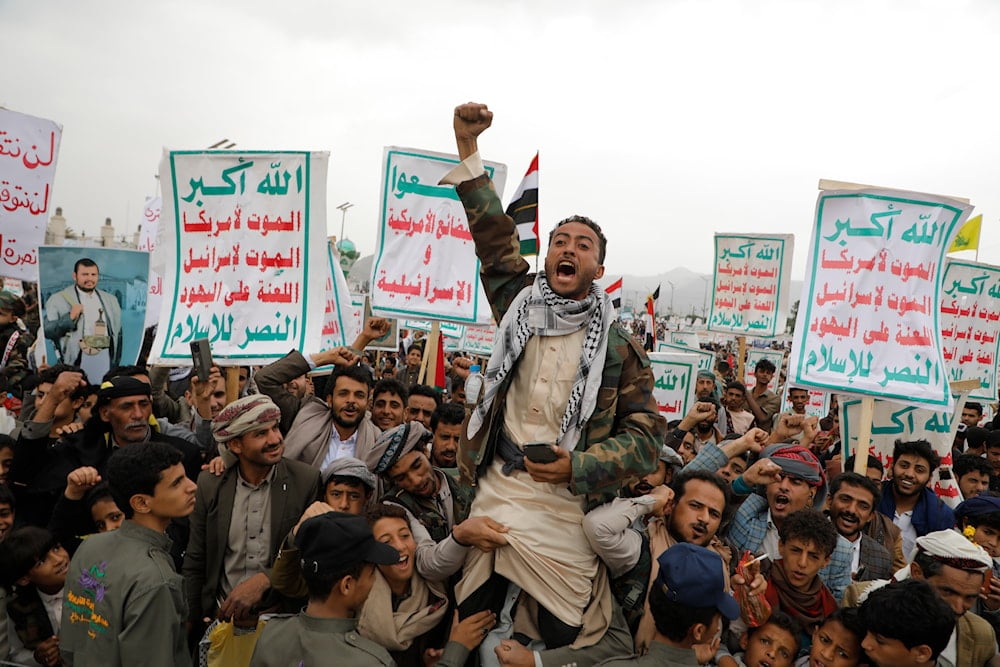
{"x": 802, "y": 561}
{"x": 886, "y": 652}
{"x": 346, "y": 497}
{"x": 396, "y": 533}
{"x": 833, "y": 645}
{"x": 987, "y": 537}
{"x": 86, "y": 409}
{"x": 49, "y": 574}
{"x": 770, "y": 646}
{"x": 106, "y": 515}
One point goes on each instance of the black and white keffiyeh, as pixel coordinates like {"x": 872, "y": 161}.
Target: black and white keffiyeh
{"x": 538, "y": 311}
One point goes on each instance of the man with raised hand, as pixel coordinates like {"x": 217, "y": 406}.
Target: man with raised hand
{"x": 564, "y": 373}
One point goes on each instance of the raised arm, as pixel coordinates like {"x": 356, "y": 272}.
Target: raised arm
{"x": 471, "y": 119}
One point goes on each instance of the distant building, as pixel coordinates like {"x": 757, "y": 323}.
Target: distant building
{"x": 58, "y": 232}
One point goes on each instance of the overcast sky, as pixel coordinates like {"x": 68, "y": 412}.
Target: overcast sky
{"x": 665, "y": 121}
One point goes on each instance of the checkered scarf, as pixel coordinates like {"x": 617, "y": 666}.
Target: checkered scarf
{"x": 538, "y": 311}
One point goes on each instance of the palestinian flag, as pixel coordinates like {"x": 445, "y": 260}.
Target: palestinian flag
{"x": 523, "y": 208}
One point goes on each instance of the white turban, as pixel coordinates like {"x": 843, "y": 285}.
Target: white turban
{"x": 954, "y": 549}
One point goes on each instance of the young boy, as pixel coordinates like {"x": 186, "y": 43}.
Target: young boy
{"x": 806, "y": 541}
{"x": 774, "y": 644}
{"x": 124, "y": 599}
{"x": 837, "y": 642}
{"x": 33, "y": 571}
{"x": 348, "y": 486}
{"x": 339, "y": 555}
{"x": 908, "y": 625}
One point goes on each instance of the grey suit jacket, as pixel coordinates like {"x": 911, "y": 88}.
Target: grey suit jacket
{"x": 876, "y": 560}
{"x": 294, "y": 487}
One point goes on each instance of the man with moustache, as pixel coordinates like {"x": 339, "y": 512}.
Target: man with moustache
{"x": 853, "y": 499}
{"x": 85, "y": 323}
{"x": 707, "y": 432}
{"x": 794, "y": 480}
{"x": 446, "y": 426}
{"x": 629, "y": 534}
{"x": 241, "y": 517}
{"x": 738, "y": 420}
{"x": 907, "y": 499}
{"x": 432, "y": 496}
{"x": 320, "y": 432}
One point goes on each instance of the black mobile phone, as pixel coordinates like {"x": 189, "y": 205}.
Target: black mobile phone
{"x": 539, "y": 452}
{"x": 201, "y": 355}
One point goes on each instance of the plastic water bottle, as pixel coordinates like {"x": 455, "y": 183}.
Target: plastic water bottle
{"x": 473, "y": 386}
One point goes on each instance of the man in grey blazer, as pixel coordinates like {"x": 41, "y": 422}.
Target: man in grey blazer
{"x": 241, "y": 517}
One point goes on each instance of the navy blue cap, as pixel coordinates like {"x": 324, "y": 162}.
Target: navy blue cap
{"x": 693, "y": 576}
{"x": 977, "y": 506}
{"x": 336, "y": 541}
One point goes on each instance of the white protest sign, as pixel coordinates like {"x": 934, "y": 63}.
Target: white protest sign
{"x": 674, "y": 376}
{"x": 868, "y": 319}
{"x": 29, "y": 147}
{"x": 752, "y": 274}
{"x": 706, "y": 358}
{"x": 684, "y": 339}
{"x": 339, "y": 325}
{"x": 970, "y": 320}
{"x": 246, "y": 235}
{"x": 479, "y": 340}
{"x": 892, "y": 421}
{"x": 425, "y": 266}
{"x": 776, "y": 357}
{"x": 449, "y": 329}
{"x": 149, "y": 228}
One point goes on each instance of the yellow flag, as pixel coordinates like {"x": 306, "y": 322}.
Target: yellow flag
{"x": 968, "y": 235}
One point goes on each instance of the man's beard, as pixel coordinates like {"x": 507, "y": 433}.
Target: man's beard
{"x": 642, "y": 488}
{"x": 88, "y": 290}
{"x": 348, "y": 424}
{"x": 704, "y": 427}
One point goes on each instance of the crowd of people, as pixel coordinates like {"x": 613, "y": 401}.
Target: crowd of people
{"x": 552, "y": 517}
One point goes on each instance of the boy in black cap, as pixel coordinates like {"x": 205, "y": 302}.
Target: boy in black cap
{"x": 339, "y": 555}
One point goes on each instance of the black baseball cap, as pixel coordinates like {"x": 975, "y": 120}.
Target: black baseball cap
{"x": 337, "y": 541}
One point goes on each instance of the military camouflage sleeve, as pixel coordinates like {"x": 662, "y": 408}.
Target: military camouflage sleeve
{"x": 503, "y": 270}
{"x": 18, "y": 365}
{"x": 635, "y": 431}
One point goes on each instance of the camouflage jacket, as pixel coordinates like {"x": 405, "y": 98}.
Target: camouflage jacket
{"x": 425, "y": 510}
{"x": 622, "y": 439}
{"x": 18, "y": 362}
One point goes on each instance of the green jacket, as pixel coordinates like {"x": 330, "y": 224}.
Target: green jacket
{"x": 425, "y": 510}
{"x": 622, "y": 439}
{"x": 124, "y": 602}
{"x": 303, "y": 641}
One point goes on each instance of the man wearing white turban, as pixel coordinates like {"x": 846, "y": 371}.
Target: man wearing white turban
{"x": 955, "y": 568}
